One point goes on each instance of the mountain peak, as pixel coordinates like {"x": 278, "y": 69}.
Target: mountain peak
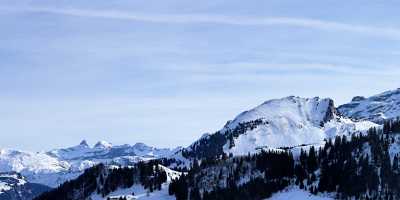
{"x": 102, "y": 145}
{"x": 141, "y": 146}
{"x": 315, "y": 110}
{"x": 358, "y": 98}
{"x": 84, "y": 143}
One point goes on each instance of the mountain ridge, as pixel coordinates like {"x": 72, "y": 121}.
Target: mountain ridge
{"x": 377, "y": 108}
{"x": 54, "y": 167}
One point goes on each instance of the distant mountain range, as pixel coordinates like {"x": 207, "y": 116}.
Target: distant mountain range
{"x": 55, "y": 167}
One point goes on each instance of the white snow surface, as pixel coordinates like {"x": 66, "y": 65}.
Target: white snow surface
{"x": 9, "y": 180}
{"x": 290, "y": 122}
{"x": 55, "y": 167}
{"x": 290, "y": 108}
{"x": 143, "y": 194}
{"x": 297, "y": 194}
{"x": 139, "y": 193}
{"x": 376, "y": 108}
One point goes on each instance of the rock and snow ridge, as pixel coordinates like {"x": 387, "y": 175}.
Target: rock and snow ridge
{"x": 55, "y": 167}
{"x": 286, "y": 122}
{"x": 377, "y": 108}
{"x": 15, "y": 186}
{"x": 10, "y": 180}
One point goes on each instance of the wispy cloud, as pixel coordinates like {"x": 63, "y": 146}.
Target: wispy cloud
{"x": 387, "y": 32}
{"x": 262, "y": 69}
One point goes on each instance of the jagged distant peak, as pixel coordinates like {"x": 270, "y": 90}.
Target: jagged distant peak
{"x": 141, "y": 145}
{"x": 358, "y": 98}
{"x": 376, "y": 108}
{"x": 102, "y": 145}
{"x": 84, "y": 143}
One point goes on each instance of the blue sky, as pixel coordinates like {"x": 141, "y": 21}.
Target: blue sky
{"x": 164, "y": 72}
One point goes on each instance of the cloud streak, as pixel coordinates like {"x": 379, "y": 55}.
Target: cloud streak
{"x": 386, "y": 32}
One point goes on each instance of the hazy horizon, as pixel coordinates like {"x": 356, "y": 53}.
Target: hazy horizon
{"x": 164, "y": 73}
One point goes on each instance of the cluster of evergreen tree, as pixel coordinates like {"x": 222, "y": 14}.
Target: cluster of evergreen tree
{"x": 79, "y": 188}
{"x": 103, "y": 181}
{"x": 226, "y": 173}
{"x": 179, "y": 188}
{"x": 151, "y": 177}
{"x": 174, "y": 164}
{"x": 257, "y": 188}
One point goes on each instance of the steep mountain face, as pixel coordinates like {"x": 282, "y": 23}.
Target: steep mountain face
{"x": 377, "y": 108}
{"x": 55, "y": 167}
{"x": 280, "y": 123}
{"x": 14, "y": 186}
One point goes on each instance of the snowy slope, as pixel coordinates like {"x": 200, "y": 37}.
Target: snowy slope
{"x": 297, "y": 194}
{"x": 376, "y": 108}
{"x": 315, "y": 111}
{"x": 55, "y": 167}
{"x": 286, "y": 122}
{"x": 21, "y": 161}
{"x": 139, "y": 193}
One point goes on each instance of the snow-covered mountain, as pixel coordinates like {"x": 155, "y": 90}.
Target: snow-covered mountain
{"x": 278, "y": 123}
{"x": 15, "y": 186}
{"x": 376, "y": 108}
{"x": 55, "y": 167}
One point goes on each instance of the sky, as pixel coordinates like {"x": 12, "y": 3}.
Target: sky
{"x": 165, "y": 72}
